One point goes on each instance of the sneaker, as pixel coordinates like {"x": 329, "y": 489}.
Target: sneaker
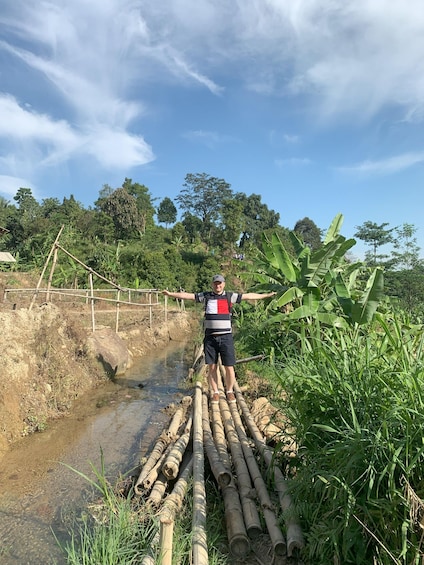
{"x": 231, "y": 396}
{"x": 215, "y": 397}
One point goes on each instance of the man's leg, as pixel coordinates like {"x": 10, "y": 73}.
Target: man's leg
{"x": 212, "y": 377}
{"x": 230, "y": 377}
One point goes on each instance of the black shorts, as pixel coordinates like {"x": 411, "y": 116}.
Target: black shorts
{"x": 223, "y": 345}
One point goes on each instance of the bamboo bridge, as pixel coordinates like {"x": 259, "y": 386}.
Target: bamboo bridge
{"x": 227, "y": 436}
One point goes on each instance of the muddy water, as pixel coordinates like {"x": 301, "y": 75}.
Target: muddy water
{"x": 40, "y": 495}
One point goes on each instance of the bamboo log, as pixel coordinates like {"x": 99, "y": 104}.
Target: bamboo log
{"x": 218, "y": 433}
{"x": 294, "y": 535}
{"x": 172, "y": 462}
{"x": 158, "y": 490}
{"x": 250, "y": 511}
{"x": 165, "y": 540}
{"x": 166, "y": 438}
{"x": 275, "y": 534}
{"x": 238, "y": 540}
{"x": 220, "y": 472}
{"x": 153, "y": 474}
{"x": 199, "y": 549}
{"x": 153, "y": 458}
{"x": 247, "y": 359}
{"x": 174, "y": 500}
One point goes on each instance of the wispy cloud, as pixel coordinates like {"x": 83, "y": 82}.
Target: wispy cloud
{"x": 388, "y": 166}
{"x": 208, "y": 138}
{"x": 293, "y": 162}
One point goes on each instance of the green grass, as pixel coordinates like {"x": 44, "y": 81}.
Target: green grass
{"x": 356, "y": 402}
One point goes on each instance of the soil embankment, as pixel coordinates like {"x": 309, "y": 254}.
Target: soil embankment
{"x": 46, "y": 363}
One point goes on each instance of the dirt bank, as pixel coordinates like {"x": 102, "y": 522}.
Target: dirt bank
{"x": 46, "y": 364}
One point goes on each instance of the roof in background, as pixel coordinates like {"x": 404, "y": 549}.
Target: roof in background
{"x": 6, "y": 257}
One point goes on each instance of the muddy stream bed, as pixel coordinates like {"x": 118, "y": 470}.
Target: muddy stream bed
{"x": 41, "y": 496}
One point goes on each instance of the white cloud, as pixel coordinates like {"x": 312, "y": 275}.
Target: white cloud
{"x": 9, "y": 185}
{"x": 208, "y": 138}
{"x": 293, "y": 162}
{"x": 391, "y": 165}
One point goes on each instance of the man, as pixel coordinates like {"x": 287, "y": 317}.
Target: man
{"x": 218, "y": 338}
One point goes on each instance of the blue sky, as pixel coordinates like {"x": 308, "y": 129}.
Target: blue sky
{"x": 317, "y": 106}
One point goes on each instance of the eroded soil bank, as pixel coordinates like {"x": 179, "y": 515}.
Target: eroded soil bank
{"x": 46, "y": 363}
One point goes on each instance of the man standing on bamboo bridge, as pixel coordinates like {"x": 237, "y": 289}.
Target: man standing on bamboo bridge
{"x": 218, "y": 338}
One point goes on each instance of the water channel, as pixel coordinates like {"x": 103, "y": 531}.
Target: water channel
{"x": 40, "y": 494}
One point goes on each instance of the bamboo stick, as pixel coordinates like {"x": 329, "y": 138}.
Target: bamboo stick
{"x": 53, "y": 247}
{"x": 174, "y": 501}
{"x": 247, "y": 359}
{"x": 158, "y": 490}
{"x": 220, "y": 472}
{"x": 153, "y": 458}
{"x": 250, "y": 511}
{"x": 172, "y": 462}
{"x": 294, "y": 535}
{"x": 218, "y": 433}
{"x": 277, "y": 538}
{"x": 165, "y": 540}
{"x": 199, "y": 549}
{"x": 49, "y": 282}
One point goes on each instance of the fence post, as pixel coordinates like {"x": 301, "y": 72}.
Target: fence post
{"x": 118, "y": 294}
{"x": 93, "y": 323}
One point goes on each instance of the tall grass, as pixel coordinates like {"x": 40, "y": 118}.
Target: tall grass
{"x": 113, "y": 534}
{"x": 122, "y": 530}
{"x": 356, "y": 401}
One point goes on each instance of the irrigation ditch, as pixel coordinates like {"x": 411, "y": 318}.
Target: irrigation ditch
{"x": 224, "y": 438}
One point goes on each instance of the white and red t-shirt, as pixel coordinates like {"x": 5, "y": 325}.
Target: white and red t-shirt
{"x": 218, "y": 310}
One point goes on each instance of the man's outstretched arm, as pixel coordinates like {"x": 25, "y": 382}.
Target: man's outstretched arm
{"x": 257, "y": 295}
{"x": 180, "y": 295}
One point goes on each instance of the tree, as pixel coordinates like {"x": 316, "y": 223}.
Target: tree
{"x": 144, "y": 202}
{"x": 122, "y": 208}
{"x": 406, "y": 251}
{"x": 202, "y": 196}
{"x": 257, "y": 218}
{"x": 27, "y": 204}
{"x": 375, "y": 236}
{"x": 167, "y": 212}
{"x": 309, "y": 232}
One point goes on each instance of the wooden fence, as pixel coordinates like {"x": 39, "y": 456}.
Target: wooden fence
{"x": 121, "y": 299}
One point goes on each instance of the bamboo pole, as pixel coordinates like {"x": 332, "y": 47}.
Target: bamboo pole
{"x": 166, "y": 437}
{"x": 294, "y": 535}
{"x": 158, "y": 490}
{"x": 174, "y": 501}
{"x": 118, "y": 294}
{"x": 93, "y": 321}
{"x": 49, "y": 282}
{"x": 165, "y": 540}
{"x": 199, "y": 549}
{"x": 275, "y": 534}
{"x": 172, "y": 462}
{"x": 237, "y": 537}
{"x": 219, "y": 436}
{"x": 54, "y": 246}
{"x": 247, "y": 359}
{"x": 250, "y": 511}
{"x": 221, "y": 473}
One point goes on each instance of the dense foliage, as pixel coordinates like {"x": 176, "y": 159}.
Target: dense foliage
{"x": 348, "y": 365}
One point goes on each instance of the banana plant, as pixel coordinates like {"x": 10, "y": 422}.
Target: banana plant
{"x": 317, "y": 284}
